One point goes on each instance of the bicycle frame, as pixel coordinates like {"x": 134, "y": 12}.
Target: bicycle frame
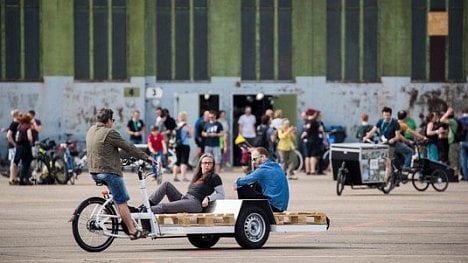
{"x": 102, "y": 217}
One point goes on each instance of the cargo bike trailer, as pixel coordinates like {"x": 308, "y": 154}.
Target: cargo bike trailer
{"x": 360, "y": 165}
{"x": 96, "y": 222}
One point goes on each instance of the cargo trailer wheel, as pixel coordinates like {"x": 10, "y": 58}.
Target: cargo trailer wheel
{"x": 203, "y": 241}
{"x": 252, "y": 228}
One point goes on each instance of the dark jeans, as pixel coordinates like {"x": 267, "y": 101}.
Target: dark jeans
{"x": 253, "y": 191}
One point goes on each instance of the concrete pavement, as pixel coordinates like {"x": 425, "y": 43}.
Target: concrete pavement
{"x": 366, "y": 226}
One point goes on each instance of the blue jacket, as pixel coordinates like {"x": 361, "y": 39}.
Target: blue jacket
{"x": 273, "y": 181}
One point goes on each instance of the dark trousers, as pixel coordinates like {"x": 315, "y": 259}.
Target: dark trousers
{"x": 253, "y": 191}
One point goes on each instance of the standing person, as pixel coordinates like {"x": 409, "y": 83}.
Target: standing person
{"x": 205, "y": 186}
{"x": 266, "y": 181}
{"x": 277, "y": 121}
{"x": 158, "y": 121}
{"x": 443, "y": 143}
{"x": 246, "y": 124}
{"x": 24, "y": 139}
{"x": 432, "y": 133}
{"x": 136, "y": 128}
{"x": 324, "y": 145}
{"x": 286, "y": 146}
{"x": 261, "y": 139}
{"x": 157, "y": 146}
{"x": 224, "y": 140}
{"x": 199, "y": 139}
{"x": 411, "y": 123}
{"x": 169, "y": 122}
{"x": 464, "y": 145}
{"x": 212, "y": 132}
{"x": 454, "y": 145}
{"x": 102, "y": 144}
{"x": 36, "y": 126}
{"x": 314, "y": 145}
{"x": 364, "y": 128}
{"x": 15, "y": 114}
{"x": 182, "y": 147}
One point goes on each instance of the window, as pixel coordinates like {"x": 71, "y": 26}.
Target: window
{"x": 266, "y": 40}
{"x": 437, "y": 40}
{"x": 181, "y": 42}
{"x": 20, "y": 40}
{"x": 100, "y": 40}
{"x": 352, "y": 40}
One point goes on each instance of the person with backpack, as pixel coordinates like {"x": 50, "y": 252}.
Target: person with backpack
{"x": 463, "y": 136}
{"x": 183, "y": 132}
{"x": 453, "y": 139}
{"x": 261, "y": 137}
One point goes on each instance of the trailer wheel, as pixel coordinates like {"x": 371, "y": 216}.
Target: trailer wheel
{"x": 203, "y": 241}
{"x": 252, "y": 228}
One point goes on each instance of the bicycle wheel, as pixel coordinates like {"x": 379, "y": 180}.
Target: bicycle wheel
{"x": 341, "y": 179}
{"x": 418, "y": 181}
{"x": 60, "y": 170}
{"x": 87, "y": 233}
{"x": 298, "y": 161}
{"x": 439, "y": 180}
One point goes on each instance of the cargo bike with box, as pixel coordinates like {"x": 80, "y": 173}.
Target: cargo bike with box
{"x": 360, "y": 165}
{"x": 96, "y": 222}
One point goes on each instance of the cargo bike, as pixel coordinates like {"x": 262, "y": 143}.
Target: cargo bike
{"x": 96, "y": 222}
{"x": 361, "y": 165}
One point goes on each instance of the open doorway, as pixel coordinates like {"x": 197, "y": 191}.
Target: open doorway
{"x": 258, "y": 104}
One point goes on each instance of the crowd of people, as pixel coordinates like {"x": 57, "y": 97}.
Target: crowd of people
{"x": 444, "y": 135}
{"x": 21, "y": 135}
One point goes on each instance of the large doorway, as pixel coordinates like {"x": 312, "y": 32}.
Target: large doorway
{"x": 259, "y": 104}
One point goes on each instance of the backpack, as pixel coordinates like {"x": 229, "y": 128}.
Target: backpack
{"x": 261, "y": 137}
{"x": 178, "y": 136}
{"x": 459, "y": 134}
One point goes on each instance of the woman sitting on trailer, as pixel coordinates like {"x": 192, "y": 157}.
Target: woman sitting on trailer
{"x": 206, "y": 186}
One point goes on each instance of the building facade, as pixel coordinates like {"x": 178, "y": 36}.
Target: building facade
{"x": 67, "y": 58}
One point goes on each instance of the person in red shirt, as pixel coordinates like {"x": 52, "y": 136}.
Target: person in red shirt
{"x": 157, "y": 145}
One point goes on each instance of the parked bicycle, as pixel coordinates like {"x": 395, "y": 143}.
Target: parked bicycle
{"x": 46, "y": 167}
{"x": 69, "y": 151}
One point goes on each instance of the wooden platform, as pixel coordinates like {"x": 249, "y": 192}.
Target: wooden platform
{"x": 196, "y": 219}
{"x": 300, "y": 218}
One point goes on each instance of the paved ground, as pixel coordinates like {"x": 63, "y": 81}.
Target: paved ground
{"x": 367, "y": 226}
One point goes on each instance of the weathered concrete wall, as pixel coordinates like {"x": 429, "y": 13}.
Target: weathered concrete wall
{"x": 65, "y": 106}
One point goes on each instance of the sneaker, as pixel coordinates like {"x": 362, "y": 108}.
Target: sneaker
{"x": 186, "y": 180}
{"x": 292, "y": 177}
{"x": 176, "y": 179}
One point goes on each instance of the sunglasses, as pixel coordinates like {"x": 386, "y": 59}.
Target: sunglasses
{"x": 256, "y": 158}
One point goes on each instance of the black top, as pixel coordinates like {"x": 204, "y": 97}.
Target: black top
{"x": 201, "y": 189}
{"x": 13, "y": 128}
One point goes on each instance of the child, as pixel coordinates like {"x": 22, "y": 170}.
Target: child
{"x": 157, "y": 145}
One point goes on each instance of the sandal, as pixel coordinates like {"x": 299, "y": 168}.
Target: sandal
{"x": 137, "y": 235}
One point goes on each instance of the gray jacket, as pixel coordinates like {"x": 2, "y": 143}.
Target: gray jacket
{"x": 102, "y": 145}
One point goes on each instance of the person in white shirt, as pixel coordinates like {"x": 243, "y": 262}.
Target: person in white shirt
{"x": 247, "y": 125}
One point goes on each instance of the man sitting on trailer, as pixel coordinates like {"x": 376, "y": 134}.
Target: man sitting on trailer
{"x": 266, "y": 181}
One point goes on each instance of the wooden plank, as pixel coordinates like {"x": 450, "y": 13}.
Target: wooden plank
{"x": 300, "y": 218}
{"x": 195, "y": 219}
